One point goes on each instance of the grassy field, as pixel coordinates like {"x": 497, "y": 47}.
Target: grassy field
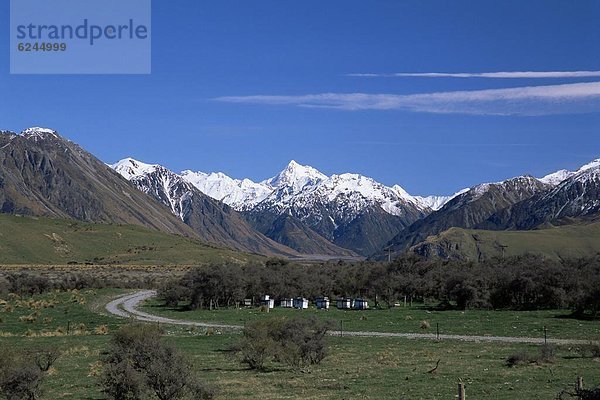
{"x": 408, "y": 320}
{"x": 53, "y": 241}
{"x": 357, "y": 368}
{"x": 570, "y": 241}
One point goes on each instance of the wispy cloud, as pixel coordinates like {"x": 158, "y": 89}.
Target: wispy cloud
{"x": 528, "y": 100}
{"x": 494, "y": 75}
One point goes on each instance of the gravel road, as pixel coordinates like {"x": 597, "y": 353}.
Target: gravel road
{"x": 126, "y": 307}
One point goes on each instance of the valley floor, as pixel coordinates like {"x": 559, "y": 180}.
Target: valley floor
{"x": 357, "y": 368}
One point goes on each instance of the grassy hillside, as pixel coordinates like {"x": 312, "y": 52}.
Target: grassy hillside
{"x": 570, "y": 241}
{"x": 28, "y": 240}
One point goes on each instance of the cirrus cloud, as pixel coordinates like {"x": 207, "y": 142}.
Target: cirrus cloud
{"x": 527, "y": 101}
{"x": 494, "y": 75}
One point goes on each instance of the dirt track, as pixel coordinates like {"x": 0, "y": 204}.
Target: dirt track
{"x": 126, "y": 307}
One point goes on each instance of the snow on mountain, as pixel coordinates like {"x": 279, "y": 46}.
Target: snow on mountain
{"x": 130, "y": 168}
{"x": 557, "y": 177}
{"x": 297, "y": 186}
{"x": 239, "y": 194}
{"x": 437, "y": 202}
{"x": 560, "y": 176}
{"x": 36, "y": 133}
{"x": 296, "y": 177}
{"x": 593, "y": 165}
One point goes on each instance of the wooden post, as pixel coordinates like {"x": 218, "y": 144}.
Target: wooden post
{"x": 341, "y": 328}
{"x": 461, "y": 391}
{"x": 579, "y": 383}
{"x": 437, "y": 325}
{"x": 404, "y": 301}
{"x": 545, "y": 335}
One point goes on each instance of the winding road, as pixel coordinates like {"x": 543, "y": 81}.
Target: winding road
{"x": 126, "y": 307}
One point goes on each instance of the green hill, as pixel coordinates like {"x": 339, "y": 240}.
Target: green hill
{"x": 30, "y": 240}
{"x": 569, "y": 241}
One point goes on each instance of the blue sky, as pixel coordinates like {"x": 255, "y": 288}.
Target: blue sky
{"x": 230, "y": 80}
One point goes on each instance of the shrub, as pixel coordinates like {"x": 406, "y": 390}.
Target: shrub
{"x": 547, "y": 353}
{"x": 121, "y": 381}
{"x": 592, "y": 349}
{"x": 19, "y": 377}
{"x": 45, "y": 357}
{"x": 140, "y": 362}
{"x": 295, "y": 342}
{"x": 256, "y": 346}
{"x": 521, "y": 357}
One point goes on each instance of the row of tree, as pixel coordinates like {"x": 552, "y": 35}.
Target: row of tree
{"x": 520, "y": 283}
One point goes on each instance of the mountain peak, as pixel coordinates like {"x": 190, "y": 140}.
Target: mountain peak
{"x": 592, "y": 165}
{"x": 130, "y": 168}
{"x": 37, "y": 133}
{"x": 296, "y": 177}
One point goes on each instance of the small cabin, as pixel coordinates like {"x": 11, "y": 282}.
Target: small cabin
{"x": 266, "y": 300}
{"x": 287, "y": 303}
{"x": 360, "y": 304}
{"x": 344, "y": 304}
{"x": 300, "y": 303}
{"x": 247, "y": 302}
{"x": 322, "y": 303}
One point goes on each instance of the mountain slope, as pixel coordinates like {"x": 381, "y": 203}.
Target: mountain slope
{"x": 212, "y": 220}
{"x": 42, "y": 174}
{"x": 571, "y": 241}
{"x": 469, "y": 209}
{"x": 38, "y": 240}
{"x": 349, "y": 210}
{"x": 577, "y": 197}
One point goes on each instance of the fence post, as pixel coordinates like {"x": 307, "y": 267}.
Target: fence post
{"x": 579, "y": 383}
{"x": 437, "y": 325}
{"x": 461, "y": 391}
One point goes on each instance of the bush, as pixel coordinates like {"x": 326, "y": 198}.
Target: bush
{"x": 257, "y": 345}
{"x": 139, "y": 362}
{"x": 302, "y": 341}
{"x": 547, "y": 353}
{"x": 45, "y": 357}
{"x": 19, "y": 377}
{"x": 592, "y": 349}
{"x": 521, "y": 357}
{"x": 296, "y": 342}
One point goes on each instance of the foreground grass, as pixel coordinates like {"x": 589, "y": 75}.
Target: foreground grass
{"x": 408, "y": 320}
{"x": 357, "y": 368}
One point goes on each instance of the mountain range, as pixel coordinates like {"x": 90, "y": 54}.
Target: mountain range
{"x": 298, "y": 212}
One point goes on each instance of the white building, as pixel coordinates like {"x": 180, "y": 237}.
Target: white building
{"x": 266, "y": 300}
{"x": 360, "y": 304}
{"x": 344, "y": 304}
{"x": 322, "y": 303}
{"x": 287, "y": 303}
{"x": 301, "y": 303}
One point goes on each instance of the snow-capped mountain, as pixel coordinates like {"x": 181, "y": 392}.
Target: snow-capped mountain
{"x": 213, "y": 221}
{"x": 44, "y": 174}
{"x": 350, "y": 210}
{"x": 437, "y": 202}
{"x": 575, "y": 198}
{"x": 470, "y": 208}
{"x": 558, "y": 177}
{"x": 37, "y": 133}
{"x": 337, "y": 207}
{"x": 241, "y": 194}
